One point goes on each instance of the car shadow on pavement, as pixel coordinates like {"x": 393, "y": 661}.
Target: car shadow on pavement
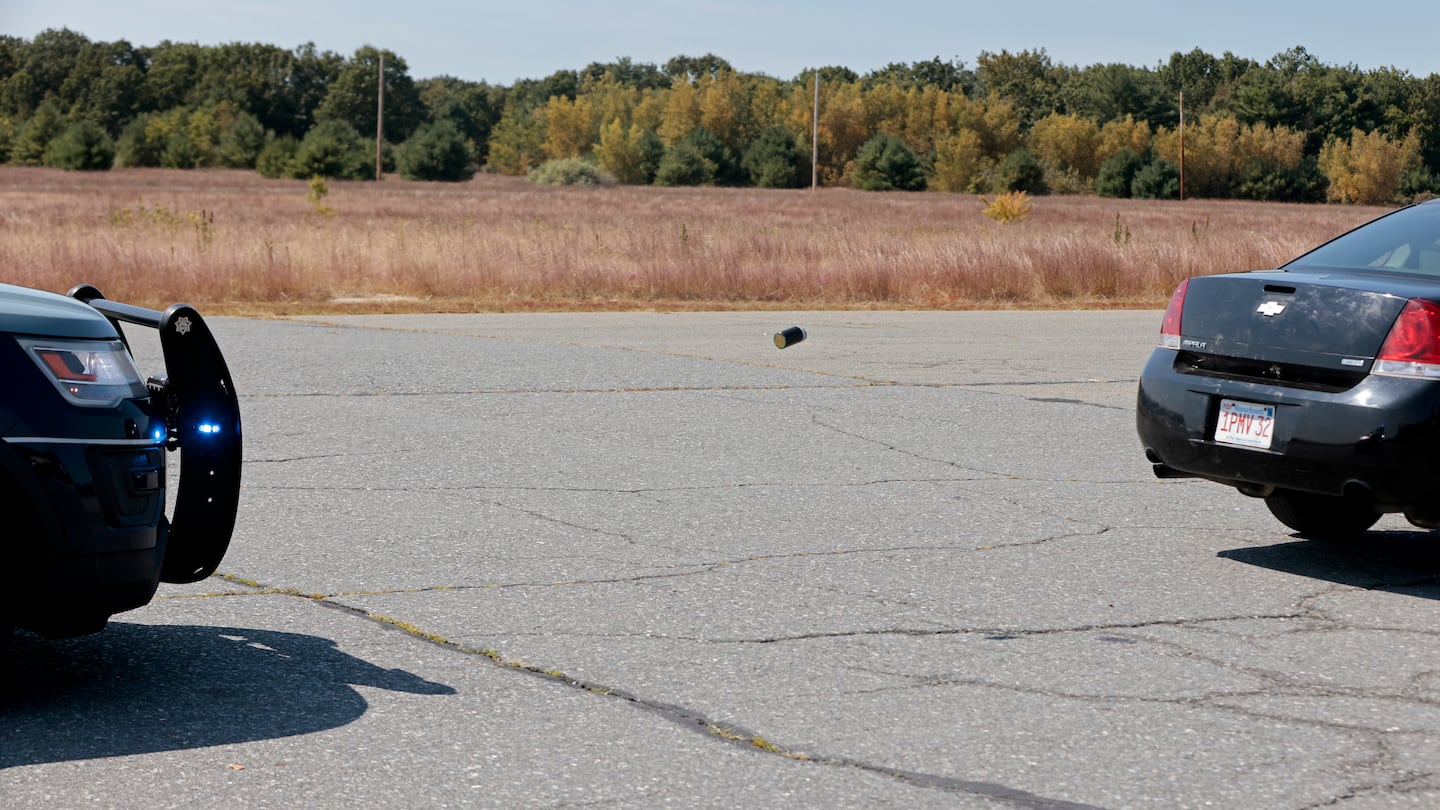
{"x": 137, "y": 689}
{"x": 1402, "y": 561}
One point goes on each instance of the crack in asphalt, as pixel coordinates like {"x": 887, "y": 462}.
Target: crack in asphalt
{"x": 1003, "y": 633}
{"x": 1380, "y": 773}
{"x": 655, "y": 389}
{"x": 679, "y": 715}
{"x": 686, "y": 570}
{"x": 1382, "y": 752}
{"x": 818, "y": 422}
{"x": 649, "y": 490}
{"x": 1401, "y": 786}
{"x": 1391, "y": 780}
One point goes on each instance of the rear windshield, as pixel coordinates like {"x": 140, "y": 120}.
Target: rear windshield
{"x": 1407, "y": 241}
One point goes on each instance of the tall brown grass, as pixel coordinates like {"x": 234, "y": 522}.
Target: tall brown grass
{"x": 236, "y": 242}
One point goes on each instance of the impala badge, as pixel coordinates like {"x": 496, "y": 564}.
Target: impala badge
{"x": 1271, "y": 308}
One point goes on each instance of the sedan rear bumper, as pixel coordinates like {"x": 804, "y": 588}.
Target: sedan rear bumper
{"x": 1379, "y": 439}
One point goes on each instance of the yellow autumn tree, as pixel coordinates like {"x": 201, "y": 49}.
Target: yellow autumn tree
{"x": 1219, "y": 150}
{"x": 960, "y": 162}
{"x": 886, "y": 108}
{"x": 570, "y": 127}
{"x": 1367, "y": 168}
{"x": 649, "y": 112}
{"x": 843, "y": 128}
{"x": 1120, "y": 134}
{"x": 1210, "y": 147}
{"x": 927, "y": 117}
{"x": 682, "y": 113}
{"x": 1068, "y": 143}
{"x": 992, "y": 118}
{"x": 769, "y": 105}
{"x": 800, "y": 108}
{"x": 1277, "y": 147}
{"x": 723, "y": 108}
{"x": 609, "y": 99}
{"x": 619, "y": 153}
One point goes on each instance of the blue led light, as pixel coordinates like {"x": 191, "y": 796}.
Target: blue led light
{"x": 208, "y": 428}
{"x": 158, "y": 434}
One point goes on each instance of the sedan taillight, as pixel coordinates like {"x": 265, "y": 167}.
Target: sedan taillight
{"x": 1412, "y": 349}
{"x": 1170, "y": 327}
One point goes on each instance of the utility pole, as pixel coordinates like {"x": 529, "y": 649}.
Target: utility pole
{"x": 815, "y": 137}
{"x": 380, "y": 119}
{"x": 1182, "y": 146}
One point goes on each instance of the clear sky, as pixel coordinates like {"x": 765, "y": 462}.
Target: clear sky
{"x": 530, "y": 39}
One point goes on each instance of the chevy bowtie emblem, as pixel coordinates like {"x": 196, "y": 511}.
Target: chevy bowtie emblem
{"x": 1271, "y": 308}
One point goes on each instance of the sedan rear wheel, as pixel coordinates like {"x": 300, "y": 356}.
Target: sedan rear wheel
{"x": 1324, "y": 517}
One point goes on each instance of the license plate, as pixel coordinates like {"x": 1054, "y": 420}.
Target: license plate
{"x": 1245, "y": 424}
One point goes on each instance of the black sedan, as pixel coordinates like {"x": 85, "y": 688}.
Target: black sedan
{"x": 1315, "y": 386}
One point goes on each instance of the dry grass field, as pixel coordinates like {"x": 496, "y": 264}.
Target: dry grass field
{"x": 234, "y": 242}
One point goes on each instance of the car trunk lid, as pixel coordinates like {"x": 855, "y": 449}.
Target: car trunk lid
{"x": 1326, "y": 321}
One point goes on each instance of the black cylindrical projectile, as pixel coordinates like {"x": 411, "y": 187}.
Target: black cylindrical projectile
{"x": 789, "y": 337}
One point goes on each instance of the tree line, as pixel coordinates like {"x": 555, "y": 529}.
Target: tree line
{"x": 1290, "y": 128}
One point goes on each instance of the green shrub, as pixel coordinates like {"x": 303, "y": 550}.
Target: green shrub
{"x": 274, "y": 159}
{"x": 437, "y": 151}
{"x": 81, "y": 147}
{"x": 7, "y": 138}
{"x": 728, "y": 171}
{"x": 774, "y": 160}
{"x": 181, "y": 151}
{"x": 683, "y": 165}
{"x": 886, "y": 163}
{"x": 1117, "y": 173}
{"x": 333, "y": 149}
{"x": 242, "y": 143}
{"x": 1271, "y": 183}
{"x": 569, "y": 172}
{"x": 1419, "y": 184}
{"x": 134, "y": 148}
{"x": 1157, "y": 180}
{"x": 1020, "y": 171}
{"x": 44, "y": 126}
{"x": 652, "y": 151}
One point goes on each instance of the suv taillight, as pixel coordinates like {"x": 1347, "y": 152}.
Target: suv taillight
{"x": 1170, "y": 327}
{"x": 1412, "y": 349}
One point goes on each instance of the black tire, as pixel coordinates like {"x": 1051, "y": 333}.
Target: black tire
{"x": 1323, "y": 517}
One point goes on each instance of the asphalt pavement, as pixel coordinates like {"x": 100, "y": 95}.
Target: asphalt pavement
{"x": 643, "y": 560}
